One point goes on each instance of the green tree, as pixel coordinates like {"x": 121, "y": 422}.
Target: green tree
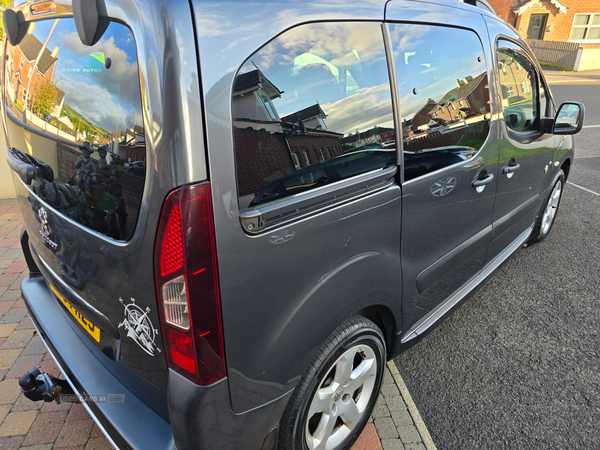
{"x": 45, "y": 97}
{"x": 3, "y": 5}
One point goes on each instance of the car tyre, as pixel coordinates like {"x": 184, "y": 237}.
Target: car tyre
{"x": 333, "y": 400}
{"x": 549, "y": 210}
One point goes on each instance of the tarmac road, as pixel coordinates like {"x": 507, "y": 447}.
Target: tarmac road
{"x": 518, "y": 365}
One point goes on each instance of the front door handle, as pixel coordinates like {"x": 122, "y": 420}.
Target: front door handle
{"x": 485, "y": 180}
{"x": 511, "y": 168}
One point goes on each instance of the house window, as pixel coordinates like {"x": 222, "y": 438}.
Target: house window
{"x": 21, "y": 64}
{"x": 519, "y": 68}
{"x": 504, "y": 71}
{"x": 453, "y": 107}
{"x": 306, "y": 160}
{"x": 25, "y": 97}
{"x": 525, "y": 87}
{"x": 585, "y": 27}
{"x": 509, "y": 91}
{"x": 322, "y": 156}
{"x": 269, "y": 106}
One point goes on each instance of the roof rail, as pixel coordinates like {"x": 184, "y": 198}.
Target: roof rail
{"x": 480, "y": 4}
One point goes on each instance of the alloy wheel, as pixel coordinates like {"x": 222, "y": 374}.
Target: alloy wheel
{"x": 551, "y": 208}
{"x": 341, "y": 399}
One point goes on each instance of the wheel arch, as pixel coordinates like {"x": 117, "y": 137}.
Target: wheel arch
{"x": 566, "y": 167}
{"x": 384, "y": 318}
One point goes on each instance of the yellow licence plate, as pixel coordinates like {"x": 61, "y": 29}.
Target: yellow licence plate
{"x": 86, "y": 324}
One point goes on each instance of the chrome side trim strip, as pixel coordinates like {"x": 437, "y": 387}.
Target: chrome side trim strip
{"x": 75, "y": 389}
{"x": 443, "y": 308}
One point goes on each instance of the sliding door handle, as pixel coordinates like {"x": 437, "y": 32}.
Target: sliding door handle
{"x": 511, "y": 168}
{"x": 486, "y": 180}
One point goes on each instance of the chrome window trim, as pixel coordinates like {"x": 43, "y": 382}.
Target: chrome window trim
{"x": 350, "y": 187}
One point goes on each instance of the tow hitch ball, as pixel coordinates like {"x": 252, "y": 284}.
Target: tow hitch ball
{"x": 37, "y": 386}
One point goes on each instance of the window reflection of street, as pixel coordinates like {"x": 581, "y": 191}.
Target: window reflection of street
{"x": 84, "y": 105}
{"x": 311, "y": 108}
{"x": 444, "y": 96}
{"x": 519, "y": 89}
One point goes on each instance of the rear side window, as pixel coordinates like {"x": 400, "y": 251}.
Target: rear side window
{"x": 444, "y": 95}
{"x": 311, "y": 108}
{"x": 83, "y": 105}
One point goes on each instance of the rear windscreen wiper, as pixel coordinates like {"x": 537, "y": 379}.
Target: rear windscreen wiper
{"x": 28, "y": 167}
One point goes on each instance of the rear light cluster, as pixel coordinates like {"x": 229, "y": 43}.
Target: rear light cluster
{"x": 187, "y": 288}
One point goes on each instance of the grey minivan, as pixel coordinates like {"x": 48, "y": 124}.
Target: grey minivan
{"x": 322, "y": 184}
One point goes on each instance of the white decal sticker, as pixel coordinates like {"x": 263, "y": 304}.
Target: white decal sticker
{"x": 139, "y": 328}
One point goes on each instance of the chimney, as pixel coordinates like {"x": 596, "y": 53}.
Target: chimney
{"x": 55, "y": 52}
{"x": 459, "y": 83}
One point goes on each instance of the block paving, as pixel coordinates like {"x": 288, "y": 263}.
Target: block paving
{"x": 394, "y": 425}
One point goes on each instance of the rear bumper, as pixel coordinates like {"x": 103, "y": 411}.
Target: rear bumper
{"x": 131, "y": 424}
{"x": 201, "y": 417}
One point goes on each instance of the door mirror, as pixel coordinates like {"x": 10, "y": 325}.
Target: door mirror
{"x": 569, "y": 118}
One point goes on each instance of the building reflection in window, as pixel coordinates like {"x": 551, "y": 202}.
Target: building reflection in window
{"x": 311, "y": 108}
{"x": 84, "y": 104}
{"x": 444, "y": 95}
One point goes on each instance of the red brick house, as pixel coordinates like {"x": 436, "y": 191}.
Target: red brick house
{"x": 268, "y": 146}
{"x": 462, "y": 101}
{"x": 20, "y": 66}
{"x": 576, "y": 21}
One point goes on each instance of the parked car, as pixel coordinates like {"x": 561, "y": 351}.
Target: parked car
{"x": 264, "y": 276}
{"x": 137, "y": 168}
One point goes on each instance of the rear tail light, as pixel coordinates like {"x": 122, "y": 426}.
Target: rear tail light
{"x": 187, "y": 288}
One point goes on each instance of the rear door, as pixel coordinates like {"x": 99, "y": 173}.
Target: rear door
{"x": 75, "y": 115}
{"x": 450, "y": 156}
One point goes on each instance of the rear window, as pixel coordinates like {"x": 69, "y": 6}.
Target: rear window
{"x": 78, "y": 109}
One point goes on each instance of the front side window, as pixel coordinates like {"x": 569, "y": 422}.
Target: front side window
{"x": 520, "y": 89}
{"x": 586, "y": 27}
{"x": 439, "y": 68}
{"x": 84, "y": 103}
{"x": 328, "y": 85}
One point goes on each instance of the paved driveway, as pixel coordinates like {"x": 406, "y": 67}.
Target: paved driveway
{"x": 25, "y": 424}
{"x": 395, "y": 425}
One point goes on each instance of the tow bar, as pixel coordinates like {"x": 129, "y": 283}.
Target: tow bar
{"x": 37, "y": 385}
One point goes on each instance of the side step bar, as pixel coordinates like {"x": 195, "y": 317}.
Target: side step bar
{"x": 437, "y": 314}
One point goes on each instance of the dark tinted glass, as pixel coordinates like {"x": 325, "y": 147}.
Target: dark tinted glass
{"x": 311, "y": 108}
{"x": 84, "y": 105}
{"x": 520, "y": 91}
{"x": 444, "y": 95}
